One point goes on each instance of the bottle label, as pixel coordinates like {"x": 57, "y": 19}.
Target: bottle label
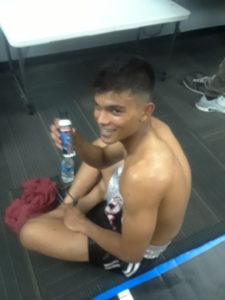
{"x": 66, "y": 169}
{"x": 65, "y": 128}
{"x": 67, "y": 146}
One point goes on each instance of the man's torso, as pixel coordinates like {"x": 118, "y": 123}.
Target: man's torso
{"x": 161, "y": 155}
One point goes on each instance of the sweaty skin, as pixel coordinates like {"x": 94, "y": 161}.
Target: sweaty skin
{"x": 155, "y": 189}
{"x": 155, "y": 185}
{"x": 155, "y": 182}
{"x": 166, "y": 165}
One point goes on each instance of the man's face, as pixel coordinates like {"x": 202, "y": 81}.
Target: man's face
{"x": 118, "y": 116}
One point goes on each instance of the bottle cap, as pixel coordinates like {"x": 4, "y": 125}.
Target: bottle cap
{"x": 65, "y": 122}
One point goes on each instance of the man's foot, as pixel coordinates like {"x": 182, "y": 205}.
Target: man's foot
{"x": 217, "y": 104}
{"x": 198, "y": 83}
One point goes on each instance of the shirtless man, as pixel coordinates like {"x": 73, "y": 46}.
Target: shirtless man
{"x": 137, "y": 166}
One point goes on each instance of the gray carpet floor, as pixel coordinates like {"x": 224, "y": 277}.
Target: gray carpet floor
{"x": 26, "y": 152}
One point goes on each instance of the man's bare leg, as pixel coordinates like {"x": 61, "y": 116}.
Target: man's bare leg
{"x": 49, "y": 236}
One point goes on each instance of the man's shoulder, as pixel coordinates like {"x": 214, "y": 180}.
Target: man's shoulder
{"x": 142, "y": 187}
{"x": 159, "y": 124}
{"x": 148, "y": 173}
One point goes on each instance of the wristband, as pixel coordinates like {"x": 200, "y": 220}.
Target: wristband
{"x": 74, "y": 199}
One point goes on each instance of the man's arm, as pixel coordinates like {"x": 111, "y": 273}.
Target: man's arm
{"x": 96, "y": 155}
{"x": 142, "y": 197}
{"x": 87, "y": 177}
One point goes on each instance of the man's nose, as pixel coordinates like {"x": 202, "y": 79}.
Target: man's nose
{"x": 102, "y": 118}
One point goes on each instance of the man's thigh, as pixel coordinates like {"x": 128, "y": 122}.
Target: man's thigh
{"x": 49, "y": 236}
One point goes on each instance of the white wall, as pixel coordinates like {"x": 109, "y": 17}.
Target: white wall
{"x": 204, "y": 14}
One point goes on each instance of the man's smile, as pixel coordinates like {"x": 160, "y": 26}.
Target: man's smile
{"x": 106, "y": 132}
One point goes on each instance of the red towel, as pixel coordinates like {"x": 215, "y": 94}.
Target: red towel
{"x": 37, "y": 198}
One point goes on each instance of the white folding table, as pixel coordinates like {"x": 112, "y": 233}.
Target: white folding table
{"x": 28, "y": 23}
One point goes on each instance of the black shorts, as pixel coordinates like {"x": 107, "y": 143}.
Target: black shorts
{"x": 100, "y": 257}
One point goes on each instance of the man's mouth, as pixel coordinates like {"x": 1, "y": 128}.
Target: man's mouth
{"x": 106, "y": 132}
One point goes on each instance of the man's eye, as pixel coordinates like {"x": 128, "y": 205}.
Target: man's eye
{"x": 116, "y": 111}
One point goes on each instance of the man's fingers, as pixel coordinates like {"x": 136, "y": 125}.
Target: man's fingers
{"x": 55, "y": 135}
{"x": 55, "y": 130}
{"x": 56, "y": 122}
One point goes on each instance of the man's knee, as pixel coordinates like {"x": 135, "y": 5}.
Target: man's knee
{"x": 29, "y": 233}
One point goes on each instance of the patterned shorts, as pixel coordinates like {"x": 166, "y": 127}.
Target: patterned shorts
{"x": 100, "y": 257}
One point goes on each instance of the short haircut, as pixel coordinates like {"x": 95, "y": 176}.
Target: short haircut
{"x": 121, "y": 74}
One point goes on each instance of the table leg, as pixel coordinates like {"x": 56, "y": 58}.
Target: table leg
{"x": 176, "y": 31}
{"x": 171, "y": 48}
{"x": 8, "y": 53}
{"x": 20, "y": 82}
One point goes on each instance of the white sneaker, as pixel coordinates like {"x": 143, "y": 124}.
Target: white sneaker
{"x": 217, "y": 104}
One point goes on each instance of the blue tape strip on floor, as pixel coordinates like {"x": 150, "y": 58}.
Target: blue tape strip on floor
{"x": 165, "y": 267}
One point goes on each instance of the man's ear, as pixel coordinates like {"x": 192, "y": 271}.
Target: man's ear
{"x": 148, "y": 110}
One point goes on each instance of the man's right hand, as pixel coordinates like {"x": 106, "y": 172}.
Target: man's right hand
{"x": 54, "y": 131}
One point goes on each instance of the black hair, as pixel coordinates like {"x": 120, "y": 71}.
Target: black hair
{"x": 132, "y": 74}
